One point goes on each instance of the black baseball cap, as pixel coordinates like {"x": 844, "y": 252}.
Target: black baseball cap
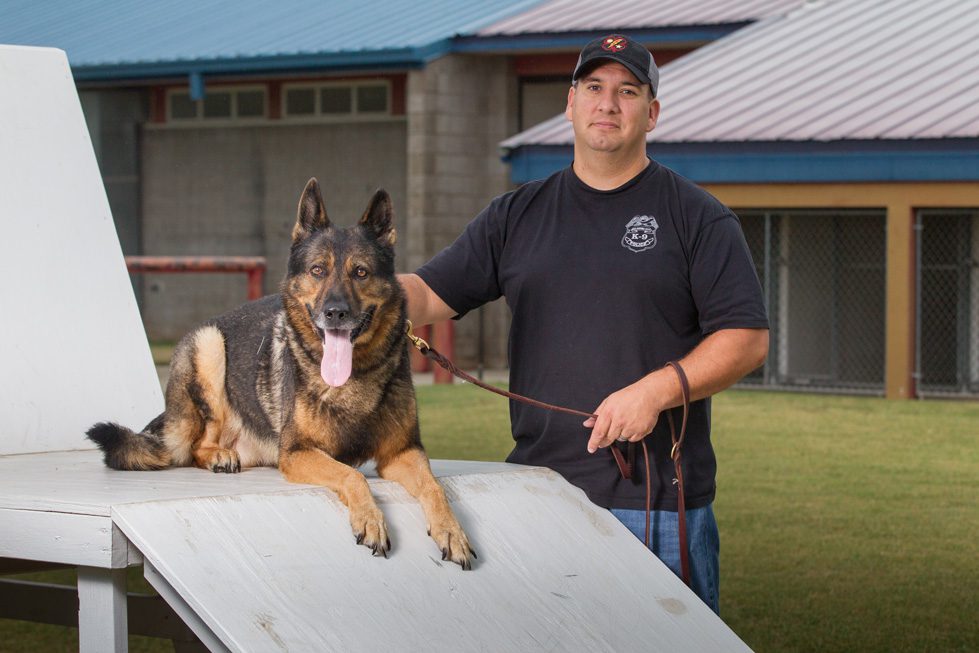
{"x": 618, "y": 48}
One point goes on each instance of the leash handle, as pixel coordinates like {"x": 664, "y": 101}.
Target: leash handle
{"x": 675, "y": 452}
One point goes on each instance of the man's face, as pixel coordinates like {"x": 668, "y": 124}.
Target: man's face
{"x": 611, "y": 110}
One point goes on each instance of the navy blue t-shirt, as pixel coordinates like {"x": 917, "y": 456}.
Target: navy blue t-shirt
{"x": 604, "y": 287}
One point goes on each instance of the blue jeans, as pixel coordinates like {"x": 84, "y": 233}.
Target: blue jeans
{"x": 703, "y": 542}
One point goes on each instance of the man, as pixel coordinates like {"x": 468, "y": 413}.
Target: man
{"x": 612, "y": 268}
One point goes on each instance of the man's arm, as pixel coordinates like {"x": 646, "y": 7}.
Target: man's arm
{"x": 424, "y": 306}
{"x": 718, "y": 362}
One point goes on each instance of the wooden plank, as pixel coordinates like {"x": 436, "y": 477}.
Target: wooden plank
{"x": 61, "y": 538}
{"x": 282, "y": 572}
{"x": 73, "y": 349}
{"x": 78, "y": 482}
{"x": 200, "y": 629}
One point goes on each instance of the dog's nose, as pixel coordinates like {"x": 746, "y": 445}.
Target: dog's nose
{"x": 335, "y": 313}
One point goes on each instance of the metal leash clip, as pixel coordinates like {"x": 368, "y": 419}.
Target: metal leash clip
{"x": 419, "y": 344}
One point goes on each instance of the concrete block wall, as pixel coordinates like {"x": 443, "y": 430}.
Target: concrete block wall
{"x": 234, "y": 191}
{"x": 459, "y": 108}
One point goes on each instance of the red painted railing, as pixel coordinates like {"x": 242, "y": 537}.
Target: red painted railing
{"x": 252, "y": 266}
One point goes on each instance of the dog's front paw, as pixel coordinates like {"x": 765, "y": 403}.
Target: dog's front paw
{"x": 452, "y": 541}
{"x": 370, "y": 530}
{"x": 220, "y": 460}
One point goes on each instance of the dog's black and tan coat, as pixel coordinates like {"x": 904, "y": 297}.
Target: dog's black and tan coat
{"x": 315, "y": 380}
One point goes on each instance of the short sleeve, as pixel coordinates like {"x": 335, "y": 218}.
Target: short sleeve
{"x": 465, "y": 275}
{"x": 723, "y": 280}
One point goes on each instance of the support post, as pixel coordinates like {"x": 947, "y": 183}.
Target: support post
{"x": 102, "y": 616}
{"x": 899, "y": 331}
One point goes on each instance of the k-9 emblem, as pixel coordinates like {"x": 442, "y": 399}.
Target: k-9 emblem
{"x": 640, "y": 233}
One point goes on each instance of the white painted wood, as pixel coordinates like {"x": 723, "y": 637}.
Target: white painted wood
{"x": 102, "y": 611}
{"x": 281, "y": 572}
{"x": 184, "y": 611}
{"x": 72, "y": 344}
{"x": 78, "y": 482}
{"x": 63, "y": 538}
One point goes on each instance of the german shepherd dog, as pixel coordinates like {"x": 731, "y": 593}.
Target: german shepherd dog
{"x": 315, "y": 379}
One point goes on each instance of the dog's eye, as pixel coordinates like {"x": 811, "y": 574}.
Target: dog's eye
{"x": 317, "y": 271}
{"x": 361, "y": 272}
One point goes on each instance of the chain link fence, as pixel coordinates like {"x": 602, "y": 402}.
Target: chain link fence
{"x": 947, "y": 315}
{"x": 823, "y": 275}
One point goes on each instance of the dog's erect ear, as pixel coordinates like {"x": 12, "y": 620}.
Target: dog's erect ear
{"x": 379, "y": 218}
{"x": 312, "y": 214}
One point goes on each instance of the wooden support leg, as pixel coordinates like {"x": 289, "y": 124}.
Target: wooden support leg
{"x": 102, "y": 622}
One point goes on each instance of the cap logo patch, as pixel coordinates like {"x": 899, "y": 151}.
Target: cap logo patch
{"x": 640, "y": 233}
{"x": 614, "y": 44}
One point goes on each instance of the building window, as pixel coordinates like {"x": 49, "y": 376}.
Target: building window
{"x": 337, "y": 100}
{"x": 222, "y": 104}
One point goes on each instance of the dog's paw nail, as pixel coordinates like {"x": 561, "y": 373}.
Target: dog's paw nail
{"x": 360, "y": 538}
{"x": 473, "y": 551}
{"x": 388, "y": 544}
{"x": 466, "y": 565}
{"x": 445, "y": 554}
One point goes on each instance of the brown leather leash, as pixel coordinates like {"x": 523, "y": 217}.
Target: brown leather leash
{"x": 625, "y": 466}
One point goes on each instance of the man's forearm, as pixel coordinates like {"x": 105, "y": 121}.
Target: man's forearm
{"x": 718, "y": 362}
{"x": 424, "y": 306}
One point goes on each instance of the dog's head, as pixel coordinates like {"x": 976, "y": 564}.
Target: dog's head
{"x": 340, "y": 279}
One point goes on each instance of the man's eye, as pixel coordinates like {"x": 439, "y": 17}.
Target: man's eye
{"x": 317, "y": 271}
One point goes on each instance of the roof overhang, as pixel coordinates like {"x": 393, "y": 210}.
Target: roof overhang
{"x": 785, "y": 162}
{"x": 404, "y": 58}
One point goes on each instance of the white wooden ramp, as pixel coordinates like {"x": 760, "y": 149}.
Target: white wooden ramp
{"x": 250, "y": 562}
{"x": 281, "y": 571}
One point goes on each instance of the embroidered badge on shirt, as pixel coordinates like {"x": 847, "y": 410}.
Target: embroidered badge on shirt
{"x": 640, "y": 233}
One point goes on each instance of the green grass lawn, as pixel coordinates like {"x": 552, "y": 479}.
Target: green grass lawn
{"x": 847, "y": 524}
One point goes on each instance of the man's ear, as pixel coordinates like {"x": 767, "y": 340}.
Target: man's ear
{"x": 379, "y": 219}
{"x": 567, "y": 109}
{"x": 311, "y": 214}
{"x": 653, "y": 115}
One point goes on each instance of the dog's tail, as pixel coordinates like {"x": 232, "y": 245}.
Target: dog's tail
{"x": 124, "y": 449}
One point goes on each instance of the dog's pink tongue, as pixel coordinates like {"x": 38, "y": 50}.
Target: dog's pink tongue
{"x": 338, "y": 355}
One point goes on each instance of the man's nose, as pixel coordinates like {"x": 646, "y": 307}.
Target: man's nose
{"x": 608, "y": 100}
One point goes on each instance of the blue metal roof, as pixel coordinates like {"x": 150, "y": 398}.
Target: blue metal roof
{"x": 107, "y": 39}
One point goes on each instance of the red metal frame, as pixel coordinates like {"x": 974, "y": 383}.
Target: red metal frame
{"x": 253, "y": 266}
